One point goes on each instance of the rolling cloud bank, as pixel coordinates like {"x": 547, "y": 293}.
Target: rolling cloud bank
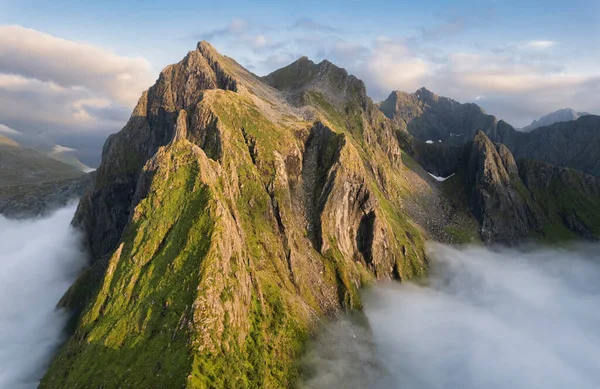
{"x": 39, "y": 260}
{"x": 487, "y": 319}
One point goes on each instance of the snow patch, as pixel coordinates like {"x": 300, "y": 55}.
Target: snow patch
{"x": 440, "y": 179}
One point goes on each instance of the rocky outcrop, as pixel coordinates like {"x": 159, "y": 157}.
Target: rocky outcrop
{"x": 232, "y": 213}
{"x": 498, "y": 198}
{"x": 438, "y": 159}
{"x": 341, "y": 98}
{"x": 333, "y": 83}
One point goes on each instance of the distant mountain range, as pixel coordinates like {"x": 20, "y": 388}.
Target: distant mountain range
{"x": 561, "y": 115}
{"x": 44, "y": 146}
{"x": 442, "y": 120}
{"x": 32, "y": 183}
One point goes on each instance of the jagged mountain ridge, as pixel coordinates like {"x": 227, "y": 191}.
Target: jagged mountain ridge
{"x": 427, "y": 116}
{"x": 232, "y": 213}
{"x": 513, "y": 200}
{"x": 273, "y": 220}
{"x": 560, "y": 115}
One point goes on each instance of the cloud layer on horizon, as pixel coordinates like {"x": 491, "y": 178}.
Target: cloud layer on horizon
{"x": 517, "y": 81}
{"x": 78, "y": 93}
{"x": 56, "y": 88}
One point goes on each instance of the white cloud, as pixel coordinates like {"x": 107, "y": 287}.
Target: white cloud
{"x": 512, "y": 86}
{"x": 259, "y": 41}
{"x": 40, "y": 259}
{"x": 392, "y": 64}
{"x": 61, "y": 88}
{"x": 516, "y": 81}
{"x": 33, "y": 54}
{"x": 538, "y": 45}
{"x": 7, "y": 130}
{"x": 238, "y": 25}
{"x": 44, "y": 104}
{"x": 485, "y": 319}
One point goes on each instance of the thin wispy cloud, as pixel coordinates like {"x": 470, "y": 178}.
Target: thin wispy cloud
{"x": 242, "y": 33}
{"x": 312, "y": 26}
{"x": 443, "y": 30}
{"x": 236, "y": 27}
{"x": 538, "y": 45}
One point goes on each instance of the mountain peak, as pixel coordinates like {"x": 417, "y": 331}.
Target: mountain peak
{"x": 304, "y": 59}
{"x": 325, "y": 78}
{"x": 560, "y": 115}
{"x": 425, "y": 93}
{"x": 207, "y": 49}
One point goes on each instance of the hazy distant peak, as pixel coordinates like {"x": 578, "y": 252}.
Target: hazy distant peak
{"x": 561, "y": 115}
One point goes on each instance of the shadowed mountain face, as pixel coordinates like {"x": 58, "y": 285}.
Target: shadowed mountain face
{"x": 232, "y": 213}
{"x": 32, "y": 183}
{"x": 513, "y": 201}
{"x": 428, "y": 117}
{"x": 561, "y": 115}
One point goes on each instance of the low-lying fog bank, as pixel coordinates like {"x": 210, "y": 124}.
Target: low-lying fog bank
{"x": 39, "y": 260}
{"x": 487, "y": 319}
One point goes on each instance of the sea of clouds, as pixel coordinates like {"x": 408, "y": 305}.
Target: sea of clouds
{"x": 39, "y": 260}
{"x": 494, "y": 319}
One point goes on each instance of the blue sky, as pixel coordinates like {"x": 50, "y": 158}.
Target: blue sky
{"x": 161, "y": 31}
{"x": 517, "y": 59}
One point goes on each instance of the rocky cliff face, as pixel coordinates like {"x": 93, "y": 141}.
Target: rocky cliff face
{"x": 514, "y": 201}
{"x": 574, "y": 144}
{"x": 569, "y": 198}
{"x": 498, "y": 198}
{"x": 429, "y": 117}
{"x": 227, "y": 217}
